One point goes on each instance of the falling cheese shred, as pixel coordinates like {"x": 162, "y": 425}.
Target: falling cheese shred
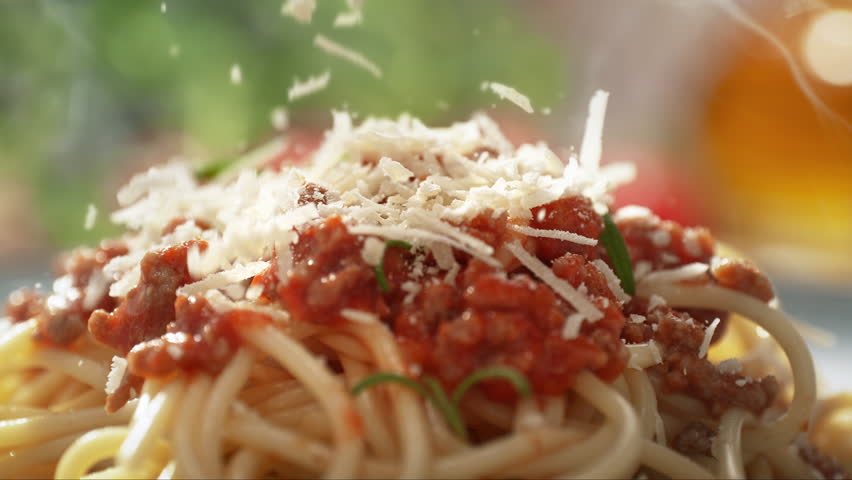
{"x": 590, "y": 151}
{"x": 352, "y": 17}
{"x": 312, "y": 85}
{"x": 506, "y": 92}
{"x": 91, "y": 217}
{"x": 300, "y": 10}
{"x": 337, "y": 50}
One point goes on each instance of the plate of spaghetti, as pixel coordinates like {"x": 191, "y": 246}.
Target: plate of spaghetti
{"x": 404, "y": 302}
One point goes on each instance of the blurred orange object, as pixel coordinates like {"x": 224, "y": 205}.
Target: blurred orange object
{"x": 783, "y": 167}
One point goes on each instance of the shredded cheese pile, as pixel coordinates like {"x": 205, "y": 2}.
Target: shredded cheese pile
{"x": 388, "y": 179}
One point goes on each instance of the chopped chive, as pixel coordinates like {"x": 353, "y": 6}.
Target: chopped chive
{"x": 615, "y": 247}
{"x": 434, "y": 393}
{"x": 212, "y": 169}
{"x": 379, "y": 269}
{"x": 446, "y": 407}
{"x": 382, "y": 377}
{"x": 398, "y": 244}
{"x": 515, "y": 377}
{"x": 382, "y": 280}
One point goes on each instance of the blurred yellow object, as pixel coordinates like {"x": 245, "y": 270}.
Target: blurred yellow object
{"x": 782, "y": 167}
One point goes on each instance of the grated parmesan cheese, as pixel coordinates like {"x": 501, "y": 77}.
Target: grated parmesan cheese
{"x": 300, "y": 10}
{"x": 411, "y": 290}
{"x": 116, "y": 374}
{"x": 708, "y": 337}
{"x": 560, "y": 286}
{"x": 352, "y": 17}
{"x": 437, "y": 181}
{"x": 236, "y": 74}
{"x": 690, "y": 243}
{"x": 373, "y": 251}
{"x": 312, "y": 85}
{"x": 556, "y": 234}
{"x": 506, "y": 92}
{"x": 394, "y": 170}
{"x": 572, "y": 325}
{"x": 590, "y": 151}
{"x": 224, "y": 278}
{"x": 612, "y": 280}
{"x": 730, "y": 366}
{"x": 253, "y": 292}
{"x": 660, "y": 238}
{"x": 644, "y": 355}
{"x": 629, "y": 212}
{"x": 279, "y": 118}
{"x": 655, "y": 302}
{"x": 741, "y": 382}
{"x": 356, "y": 58}
{"x": 91, "y": 217}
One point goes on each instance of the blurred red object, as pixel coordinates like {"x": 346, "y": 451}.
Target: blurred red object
{"x": 662, "y": 187}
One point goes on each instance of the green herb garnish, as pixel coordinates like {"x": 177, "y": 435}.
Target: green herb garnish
{"x": 398, "y": 244}
{"x": 379, "y": 269}
{"x": 379, "y": 378}
{"x": 381, "y": 279}
{"x": 211, "y": 170}
{"x": 615, "y": 247}
{"x": 448, "y": 406}
{"x": 513, "y": 376}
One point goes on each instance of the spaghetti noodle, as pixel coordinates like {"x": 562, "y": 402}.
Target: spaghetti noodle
{"x": 412, "y": 302}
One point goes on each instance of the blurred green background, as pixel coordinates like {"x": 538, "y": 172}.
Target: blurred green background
{"x": 89, "y": 87}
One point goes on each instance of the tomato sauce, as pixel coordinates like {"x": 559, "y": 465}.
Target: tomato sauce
{"x": 446, "y": 328}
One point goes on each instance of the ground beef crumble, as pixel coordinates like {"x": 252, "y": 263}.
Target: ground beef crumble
{"x": 680, "y": 338}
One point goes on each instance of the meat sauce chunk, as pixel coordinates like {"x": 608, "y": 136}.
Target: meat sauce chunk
{"x": 572, "y": 214}
{"x": 577, "y": 271}
{"x": 680, "y": 337}
{"x": 665, "y": 244}
{"x": 129, "y": 385}
{"x": 329, "y": 275}
{"x": 61, "y": 316}
{"x": 24, "y": 304}
{"x": 150, "y": 306}
{"x": 491, "y": 318}
{"x": 743, "y": 276}
{"x": 199, "y": 339}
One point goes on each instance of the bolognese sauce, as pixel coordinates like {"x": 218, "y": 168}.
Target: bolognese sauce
{"x": 450, "y": 328}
